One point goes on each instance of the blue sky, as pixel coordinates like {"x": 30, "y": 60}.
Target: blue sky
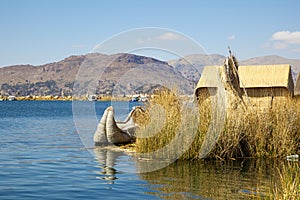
{"x": 41, "y": 31}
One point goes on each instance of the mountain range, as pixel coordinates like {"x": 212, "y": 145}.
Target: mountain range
{"x": 192, "y": 65}
{"x": 117, "y": 74}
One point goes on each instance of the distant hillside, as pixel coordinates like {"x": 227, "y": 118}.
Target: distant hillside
{"x": 101, "y": 74}
{"x": 52, "y": 78}
{"x": 273, "y": 59}
{"x": 118, "y": 74}
{"x": 191, "y": 66}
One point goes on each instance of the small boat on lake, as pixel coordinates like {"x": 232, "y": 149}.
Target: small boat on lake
{"x": 11, "y": 98}
{"x": 92, "y": 97}
{"x": 135, "y": 98}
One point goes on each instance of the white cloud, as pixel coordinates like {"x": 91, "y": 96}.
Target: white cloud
{"x": 287, "y": 36}
{"x": 170, "y": 36}
{"x": 265, "y": 45}
{"x": 279, "y": 45}
{"x": 275, "y": 45}
{"x": 284, "y": 40}
{"x": 231, "y": 37}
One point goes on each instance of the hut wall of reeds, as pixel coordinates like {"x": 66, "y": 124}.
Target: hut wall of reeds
{"x": 208, "y": 83}
{"x": 266, "y": 85}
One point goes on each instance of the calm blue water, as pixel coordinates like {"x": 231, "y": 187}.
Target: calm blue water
{"x": 42, "y": 156}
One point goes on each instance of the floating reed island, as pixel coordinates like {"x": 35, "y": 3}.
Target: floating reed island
{"x": 242, "y": 111}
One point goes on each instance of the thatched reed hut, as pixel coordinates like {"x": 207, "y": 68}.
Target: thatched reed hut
{"x": 267, "y": 84}
{"x": 261, "y": 85}
{"x": 208, "y": 83}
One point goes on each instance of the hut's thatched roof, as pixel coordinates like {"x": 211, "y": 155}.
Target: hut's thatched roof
{"x": 209, "y": 77}
{"x": 256, "y": 76}
{"x": 297, "y": 86}
{"x": 262, "y": 76}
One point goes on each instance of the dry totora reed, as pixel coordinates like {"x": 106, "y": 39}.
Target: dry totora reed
{"x": 255, "y": 133}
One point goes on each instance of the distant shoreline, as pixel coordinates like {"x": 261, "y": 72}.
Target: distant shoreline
{"x": 60, "y": 98}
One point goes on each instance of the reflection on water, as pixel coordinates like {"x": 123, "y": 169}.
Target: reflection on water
{"x": 213, "y": 180}
{"x": 107, "y": 160}
{"x": 242, "y": 179}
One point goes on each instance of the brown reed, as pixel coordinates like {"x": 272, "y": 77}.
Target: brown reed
{"x": 272, "y": 132}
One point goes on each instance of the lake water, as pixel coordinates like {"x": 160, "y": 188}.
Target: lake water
{"x": 44, "y": 156}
